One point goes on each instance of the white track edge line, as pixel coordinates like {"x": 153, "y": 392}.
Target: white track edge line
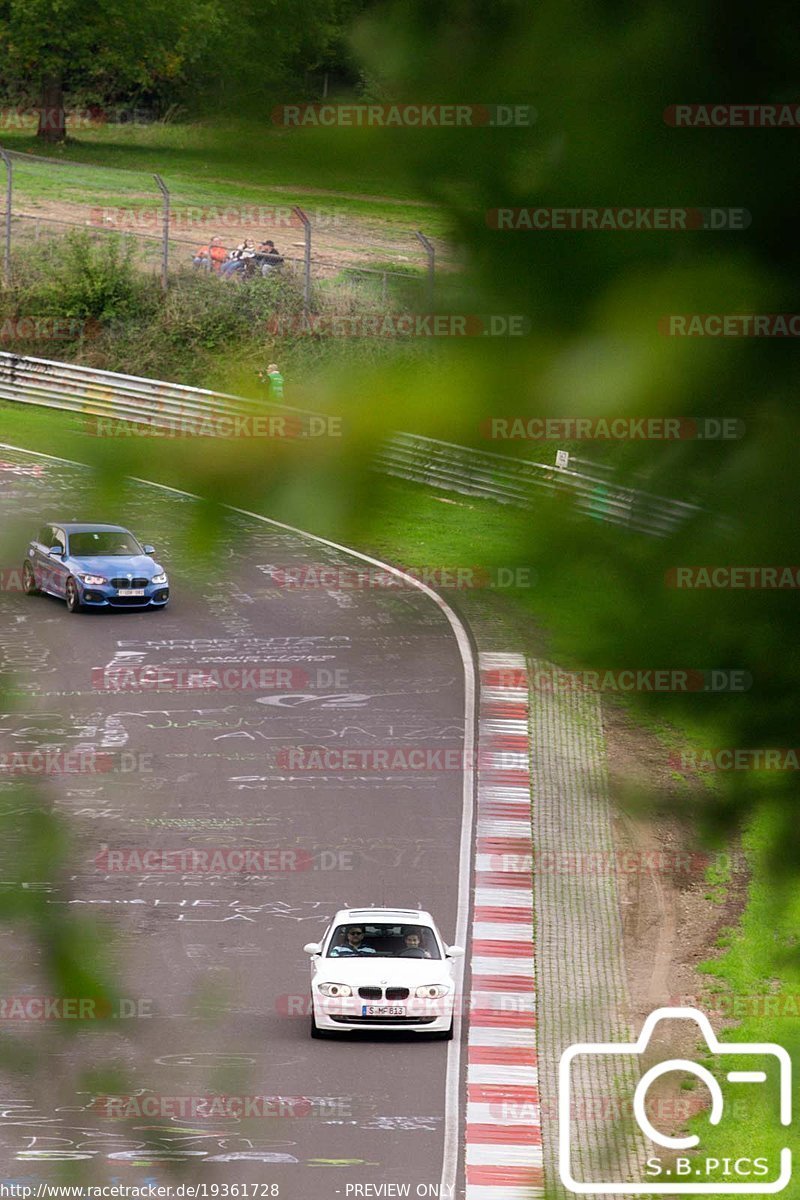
{"x": 450, "y": 1153}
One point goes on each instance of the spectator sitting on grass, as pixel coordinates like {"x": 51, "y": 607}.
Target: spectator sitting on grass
{"x": 211, "y": 256}
{"x": 268, "y": 257}
{"x": 238, "y": 258}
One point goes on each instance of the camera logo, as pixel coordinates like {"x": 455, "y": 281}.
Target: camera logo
{"x": 674, "y": 1172}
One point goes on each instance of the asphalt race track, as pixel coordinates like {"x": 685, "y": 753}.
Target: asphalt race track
{"x": 217, "y": 958}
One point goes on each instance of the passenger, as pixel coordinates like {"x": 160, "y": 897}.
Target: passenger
{"x": 413, "y": 947}
{"x": 353, "y": 945}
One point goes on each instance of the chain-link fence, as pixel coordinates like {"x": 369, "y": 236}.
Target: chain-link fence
{"x": 356, "y": 259}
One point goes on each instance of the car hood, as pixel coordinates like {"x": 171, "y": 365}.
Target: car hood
{"x": 397, "y": 972}
{"x": 117, "y": 564}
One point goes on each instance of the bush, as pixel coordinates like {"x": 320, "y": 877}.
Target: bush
{"x": 75, "y": 276}
{"x": 203, "y": 332}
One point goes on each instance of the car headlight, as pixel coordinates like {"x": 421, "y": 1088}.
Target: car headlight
{"x": 433, "y": 991}
{"x": 159, "y": 579}
{"x": 97, "y": 580}
{"x": 335, "y": 989}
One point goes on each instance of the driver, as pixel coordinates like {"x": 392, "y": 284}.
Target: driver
{"x": 413, "y": 946}
{"x": 354, "y": 943}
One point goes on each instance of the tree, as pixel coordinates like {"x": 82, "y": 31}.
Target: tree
{"x": 54, "y": 46}
{"x": 601, "y": 80}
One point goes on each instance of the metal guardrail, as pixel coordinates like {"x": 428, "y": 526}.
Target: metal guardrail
{"x": 519, "y": 482}
{"x": 446, "y": 465}
{"x": 106, "y": 394}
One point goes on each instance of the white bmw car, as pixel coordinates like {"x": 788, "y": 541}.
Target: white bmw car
{"x": 383, "y": 969}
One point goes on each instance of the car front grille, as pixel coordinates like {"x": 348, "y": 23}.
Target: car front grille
{"x": 119, "y": 582}
{"x": 376, "y": 993}
{"x": 353, "y": 1020}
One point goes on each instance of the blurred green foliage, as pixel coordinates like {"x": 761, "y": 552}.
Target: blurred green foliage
{"x": 600, "y": 77}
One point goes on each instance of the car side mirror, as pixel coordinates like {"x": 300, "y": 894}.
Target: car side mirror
{"x": 312, "y": 948}
{"x": 56, "y": 550}
{"x": 149, "y": 549}
{"x": 455, "y": 951}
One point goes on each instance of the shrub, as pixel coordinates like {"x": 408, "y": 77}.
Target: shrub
{"x": 76, "y": 276}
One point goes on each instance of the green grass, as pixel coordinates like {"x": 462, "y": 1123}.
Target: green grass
{"x": 216, "y": 164}
{"x": 756, "y": 982}
{"x": 203, "y": 332}
{"x": 36, "y": 428}
{"x": 758, "y": 966}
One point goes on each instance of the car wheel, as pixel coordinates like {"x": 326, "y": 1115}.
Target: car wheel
{"x": 29, "y": 580}
{"x": 444, "y": 1035}
{"x": 73, "y": 596}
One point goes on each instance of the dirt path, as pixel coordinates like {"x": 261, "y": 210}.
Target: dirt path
{"x": 339, "y": 239}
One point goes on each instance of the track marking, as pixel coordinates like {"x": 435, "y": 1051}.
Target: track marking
{"x": 503, "y": 1128}
{"x": 452, "y": 1113}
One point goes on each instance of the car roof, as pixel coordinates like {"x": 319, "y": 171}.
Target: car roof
{"x": 411, "y": 916}
{"x": 83, "y": 527}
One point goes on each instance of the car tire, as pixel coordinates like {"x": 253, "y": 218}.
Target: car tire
{"x": 445, "y": 1035}
{"x": 29, "y": 580}
{"x": 72, "y": 596}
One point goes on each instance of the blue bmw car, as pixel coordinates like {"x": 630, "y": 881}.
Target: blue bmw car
{"x": 94, "y": 566}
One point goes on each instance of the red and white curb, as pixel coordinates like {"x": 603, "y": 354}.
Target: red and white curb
{"x": 503, "y": 1126}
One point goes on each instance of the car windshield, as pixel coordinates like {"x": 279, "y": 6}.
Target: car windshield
{"x": 383, "y": 941}
{"x": 103, "y": 541}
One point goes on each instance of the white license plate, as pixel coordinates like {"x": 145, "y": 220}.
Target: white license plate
{"x": 382, "y": 1010}
{"x": 130, "y": 592}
